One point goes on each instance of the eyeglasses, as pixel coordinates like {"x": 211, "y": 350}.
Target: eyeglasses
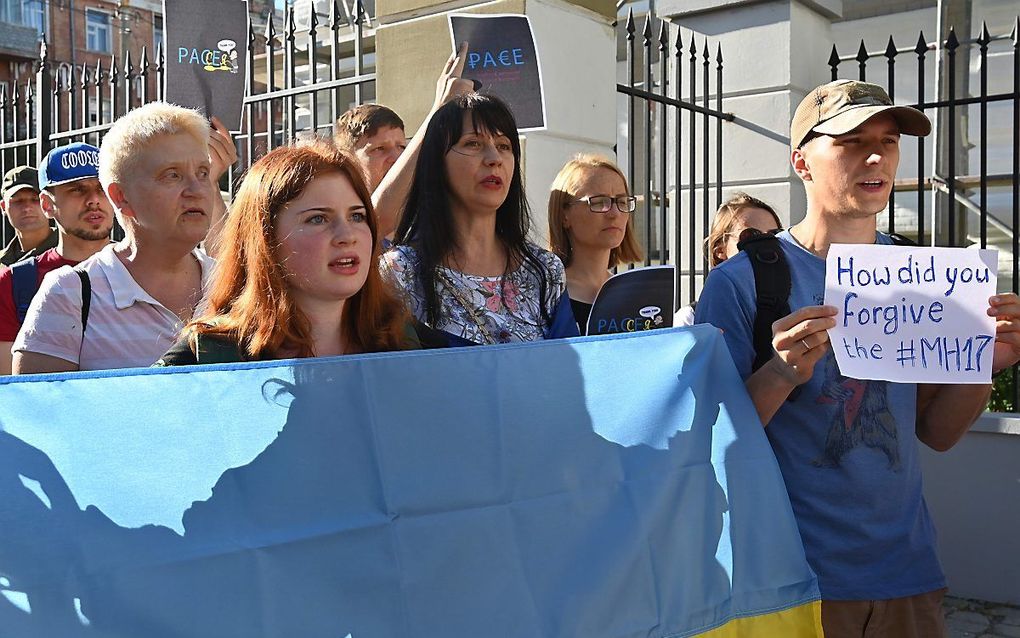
{"x": 604, "y": 203}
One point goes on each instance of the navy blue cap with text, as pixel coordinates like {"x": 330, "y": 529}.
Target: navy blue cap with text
{"x": 68, "y": 163}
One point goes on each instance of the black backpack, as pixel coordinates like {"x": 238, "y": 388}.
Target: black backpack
{"x": 25, "y": 283}
{"x": 772, "y": 284}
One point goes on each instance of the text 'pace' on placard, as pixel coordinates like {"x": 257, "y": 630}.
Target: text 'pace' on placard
{"x": 503, "y": 56}
{"x": 914, "y": 315}
{"x": 206, "y": 60}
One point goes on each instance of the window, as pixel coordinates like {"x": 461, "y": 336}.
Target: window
{"x": 10, "y": 11}
{"x": 157, "y": 33}
{"x": 30, "y": 13}
{"x": 34, "y": 14}
{"x": 98, "y": 32}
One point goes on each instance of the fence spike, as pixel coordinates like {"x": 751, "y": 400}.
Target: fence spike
{"x": 29, "y": 91}
{"x": 834, "y": 57}
{"x": 984, "y": 38}
{"x": 44, "y": 53}
{"x": 952, "y": 43}
{"x": 289, "y": 26}
{"x": 158, "y": 58}
{"x": 693, "y": 47}
{"x": 704, "y": 51}
{"x": 270, "y": 30}
{"x": 647, "y": 32}
{"x": 890, "y": 49}
{"x": 718, "y": 54}
{"x": 84, "y": 75}
{"x": 630, "y": 23}
{"x": 360, "y": 15}
{"x": 679, "y": 42}
{"x": 922, "y": 44}
{"x": 129, "y": 68}
{"x": 99, "y": 75}
{"x": 1016, "y": 32}
{"x": 16, "y": 95}
{"x": 313, "y": 22}
{"x": 862, "y": 53}
{"x": 145, "y": 61}
{"x": 334, "y": 16}
{"x": 663, "y": 35}
{"x": 3, "y": 95}
{"x": 251, "y": 34}
{"x": 114, "y": 74}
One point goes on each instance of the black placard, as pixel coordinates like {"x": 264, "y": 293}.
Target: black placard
{"x": 634, "y": 300}
{"x": 502, "y": 56}
{"x": 206, "y": 60}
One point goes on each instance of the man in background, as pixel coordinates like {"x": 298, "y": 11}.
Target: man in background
{"x": 19, "y": 201}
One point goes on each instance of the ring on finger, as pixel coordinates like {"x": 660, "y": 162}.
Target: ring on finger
{"x": 805, "y": 344}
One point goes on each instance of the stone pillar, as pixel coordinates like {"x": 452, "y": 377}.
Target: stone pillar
{"x": 576, "y": 48}
{"x": 774, "y": 52}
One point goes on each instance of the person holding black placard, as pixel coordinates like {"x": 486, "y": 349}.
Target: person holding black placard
{"x": 462, "y": 258}
{"x": 390, "y": 193}
{"x": 591, "y": 227}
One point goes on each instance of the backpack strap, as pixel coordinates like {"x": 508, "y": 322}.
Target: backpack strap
{"x": 25, "y": 283}
{"x": 900, "y": 240}
{"x": 772, "y": 286}
{"x": 86, "y": 298}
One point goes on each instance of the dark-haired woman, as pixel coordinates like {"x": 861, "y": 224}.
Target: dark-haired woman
{"x": 297, "y": 275}
{"x": 462, "y": 257}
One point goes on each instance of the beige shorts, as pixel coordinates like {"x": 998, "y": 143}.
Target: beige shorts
{"x": 912, "y": 617}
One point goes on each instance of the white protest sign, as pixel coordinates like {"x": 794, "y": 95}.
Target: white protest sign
{"x": 909, "y": 314}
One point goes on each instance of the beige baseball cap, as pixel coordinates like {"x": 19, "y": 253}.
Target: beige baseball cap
{"x": 841, "y": 106}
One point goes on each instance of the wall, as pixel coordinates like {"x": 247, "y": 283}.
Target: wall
{"x": 973, "y": 494}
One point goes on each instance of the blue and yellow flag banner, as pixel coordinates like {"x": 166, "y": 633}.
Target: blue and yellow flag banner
{"x": 607, "y": 487}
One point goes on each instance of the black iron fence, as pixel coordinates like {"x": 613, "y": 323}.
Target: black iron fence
{"x": 673, "y": 143}
{"x": 299, "y": 80}
{"x": 946, "y": 202}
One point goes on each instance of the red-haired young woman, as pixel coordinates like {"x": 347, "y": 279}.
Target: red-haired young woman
{"x": 297, "y": 273}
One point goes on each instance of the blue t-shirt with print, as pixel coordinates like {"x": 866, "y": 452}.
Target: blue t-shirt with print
{"x": 846, "y": 447}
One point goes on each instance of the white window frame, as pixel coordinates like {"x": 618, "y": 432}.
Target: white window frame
{"x": 156, "y": 41}
{"x": 39, "y": 8}
{"x": 89, "y": 28}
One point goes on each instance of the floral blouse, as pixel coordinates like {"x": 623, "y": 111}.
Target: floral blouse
{"x": 478, "y": 308}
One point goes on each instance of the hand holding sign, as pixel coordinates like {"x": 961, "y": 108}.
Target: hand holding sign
{"x": 1006, "y": 310}
{"x": 222, "y": 152}
{"x": 450, "y": 83}
{"x": 800, "y": 340}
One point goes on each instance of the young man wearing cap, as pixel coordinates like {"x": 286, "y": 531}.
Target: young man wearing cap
{"x": 72, "y": 197}
{"x": 862, "y": 517}
{"x": 156, "y": 167}
{"x": 19, "y": 200}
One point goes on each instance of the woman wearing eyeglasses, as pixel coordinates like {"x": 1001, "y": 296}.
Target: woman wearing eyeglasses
{"x": 590, "y": 227}
{"x": 739, "y": 216}
{"x": 462, "y": 258}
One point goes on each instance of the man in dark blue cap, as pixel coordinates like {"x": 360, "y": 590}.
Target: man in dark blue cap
{"x": 70, "y": 195}
{"x": 19, "y": 201}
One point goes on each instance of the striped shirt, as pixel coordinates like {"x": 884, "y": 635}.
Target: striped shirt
{"x": 127, "y": 327}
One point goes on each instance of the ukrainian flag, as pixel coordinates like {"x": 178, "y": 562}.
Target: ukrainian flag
{"x": 605, "y": 487}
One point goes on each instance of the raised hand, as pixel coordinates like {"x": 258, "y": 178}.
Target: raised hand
{"x": 222, "y": 152}
{"x": 450, "y": 83}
